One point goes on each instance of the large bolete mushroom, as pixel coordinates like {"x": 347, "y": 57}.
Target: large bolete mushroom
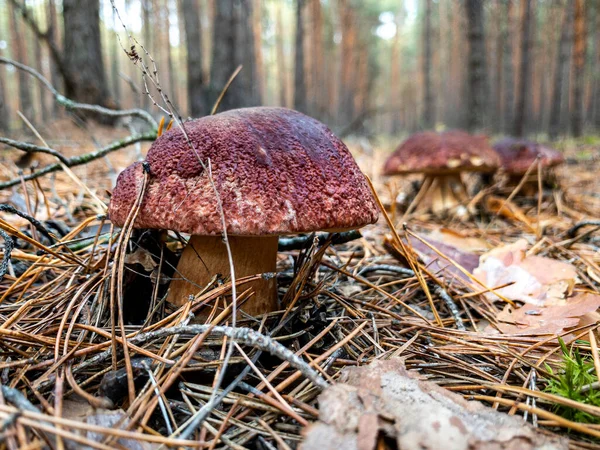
{"x": 277, "y": 172}
{"x": 441, "y": 158}
{"x": 518, "y": 155}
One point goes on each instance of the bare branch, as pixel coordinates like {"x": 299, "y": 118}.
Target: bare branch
{"x": 82, "y": 159}
{"x": 32, "y": 148}
{"x": 72, "y": 105}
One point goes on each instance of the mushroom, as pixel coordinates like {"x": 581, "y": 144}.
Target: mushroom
{"x": 441, "y": 158}
{"x": 277, "y": 172}
{"x": 518, "y": 155}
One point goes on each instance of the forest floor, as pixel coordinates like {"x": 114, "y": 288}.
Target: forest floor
{"x": 419, "y": 293}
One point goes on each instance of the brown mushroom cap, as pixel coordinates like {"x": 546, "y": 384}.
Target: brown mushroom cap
{"x": 443, "y": 153}
{"x": 277, "y": 172}
{"x": 517, "y": 155}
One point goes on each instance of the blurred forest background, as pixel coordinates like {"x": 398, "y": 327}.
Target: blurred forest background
{"x": 364, "y": 67}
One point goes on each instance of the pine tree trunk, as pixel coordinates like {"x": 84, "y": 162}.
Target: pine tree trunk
{"x": 348, "y": 63}
{"x": 300, "y": 103}
{"x": 42, "y": 91}
{"x": 562, "y": 61}
{"x": 4, "y": 115}
{"x": 20, "y": 54}
{"x": 169, "y": 53}
{"x": 147, "y": 42}
{"x": 193, "y": 43}
{"x": 86, "y": 78}
{"x": 522, "y": 106}
{"x": 477, "y": 69}
{"x": 257, "y": 36}
{"x": 428, "y": 107}
{"x": 578, "y": 68}
{"x": 54, "y": 36}
{"x": 233, "y": 40}
{"x": 282, "y": 72}
{"x": 395, "y": 81}
{"x": 115, "y": 52}
{"x": 319, "y": 94}
{"x": 597, "y": 75}
{"x": 507, "y": 70}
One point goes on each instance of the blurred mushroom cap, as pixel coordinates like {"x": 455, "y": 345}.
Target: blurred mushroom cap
{"x": 517, "y": 155}
{"x": 277, "y": 172}
{"x": 448, "y": 152}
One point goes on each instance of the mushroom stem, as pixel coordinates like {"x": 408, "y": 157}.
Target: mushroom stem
{"x": 206, "y": 256}
{"x": 447, "y": 193}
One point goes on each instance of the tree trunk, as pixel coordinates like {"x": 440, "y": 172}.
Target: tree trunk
{"x": 428, "y": 108}
{"x": 20, "y": 55}
{"x": 521, "y": 106}
{"x": 169, "y": 53}
{"x": 394, "y": 100}
{"x": 37, "y": 47}
{"x": 54, "y": 36}
{"x": 562, "y": 61}
{"x": 282, "y": 73}
{"x": 257, "y": 36}
{"x": 84, "y": 66}
{"x": 348, "y": 62}
{"x": 578, "y": 68}
{"x": 115, "y": 51}
{"x": 597, "y": 75}
{"x": 147, "y": 42}
{"x": 477, "y": 70}
{"x": 234, "y": 45}
{"x": 319, "y": 93}
{"x": 300, "y": 103}
{"x": 193, "y": 43}
{"x": 4, "y": 116}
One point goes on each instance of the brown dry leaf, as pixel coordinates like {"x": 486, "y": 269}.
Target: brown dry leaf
{"x": 554, "y": 319}
{"x": 385, "y": 401}
{"x": 143, "y": 257}
{"x": 535, "y": 279}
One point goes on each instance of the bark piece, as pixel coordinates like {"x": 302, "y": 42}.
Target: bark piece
{"x": 384, "y": 400}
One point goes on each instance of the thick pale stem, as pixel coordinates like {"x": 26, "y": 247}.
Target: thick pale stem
{"x": 447, "y": 193}
{"x": 206, "y": 256}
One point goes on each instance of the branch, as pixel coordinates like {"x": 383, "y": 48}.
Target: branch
{"x": 73, "y": 105}
{"x": 245, "y": 336}
{"x": 32, "y": 148}
{"x": 302, "y": 242}
{"x": 82, "y": 159}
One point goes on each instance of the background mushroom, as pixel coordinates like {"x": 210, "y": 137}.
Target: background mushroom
{"x": 518, "y": 155}
{"x": 441, "y": 158}
{"x": 277, "y": 172}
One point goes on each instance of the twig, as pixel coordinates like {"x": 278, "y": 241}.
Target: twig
{"x": 32, "y": 220}
{"x": 32, "y": 148}
{"x": 9, "y": 245}
{"x": 82, "y": 159}
{"x": 302, "y": 242}
{"x": 73, "y": 105}
{"x": 573, "y": 230}
{"x": 451, "y": 307}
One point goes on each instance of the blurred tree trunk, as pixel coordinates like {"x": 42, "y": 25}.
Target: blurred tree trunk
{"x": 54, "y": 36}
{"x": 37, "y": 48}
{"x": 84, "y": 66}
{"x": 115, "y": 51}
{"x": 521, "y": 106}
{"x": 169, "y": 52}
{"x": 233, "y": 45}
{"x": 19, "y": 53}
{"x": 428, "y": 108}
{"x": 300, "y": 102}
{"x": 257, "y": 35}
{"x": 282, "y": 73}
{"x": 394, "y": 100}
{"x": 4, "y": 115}
{"x": 147, "y": 42}
{"x": 477, "y": 70}
{"x": 562, "y": 61}
{"x": 578, "y": 68}
{"x": 597, "y": 74}
{"x": 193, "y": 43}
{"x": 507, "y": 70}
{"x": 348, "y": 62}
{"x": 319, "y": 94}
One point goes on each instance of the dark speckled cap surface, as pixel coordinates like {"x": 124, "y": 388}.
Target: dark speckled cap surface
{"x": 277, "y": 172}
{"x": 448, "y": 152}
{"x": 518, "y": 155}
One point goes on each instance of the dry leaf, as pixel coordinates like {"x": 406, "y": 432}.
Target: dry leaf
{"x": 143, "y": 257}
{"x": 554, "y": 319}
{"x": 535, "y": 279}
{"x": 385, "y": 401}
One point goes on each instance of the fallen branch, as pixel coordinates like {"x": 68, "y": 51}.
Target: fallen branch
{"x": 73, "y": 105}
{"x": 82, "y": 159}
{"x": 302, "y": 242}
